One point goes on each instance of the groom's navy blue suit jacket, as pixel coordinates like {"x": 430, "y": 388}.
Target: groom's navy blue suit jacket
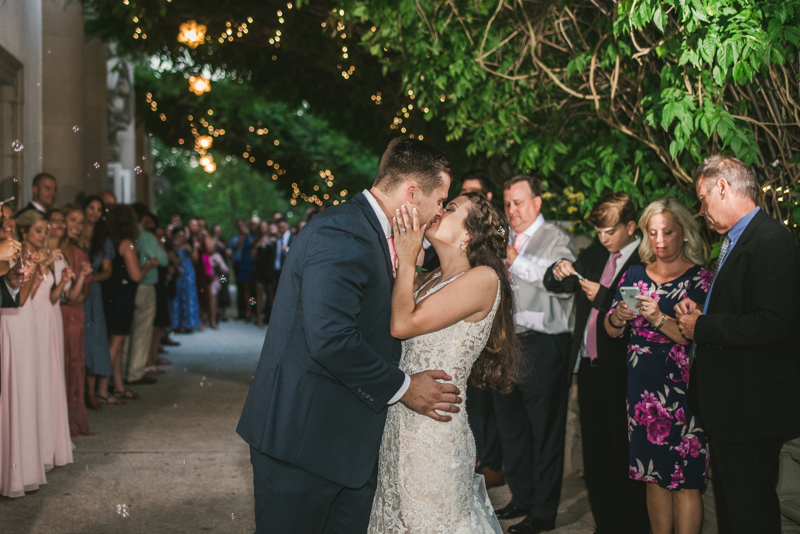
{"x": 329, "y": 363}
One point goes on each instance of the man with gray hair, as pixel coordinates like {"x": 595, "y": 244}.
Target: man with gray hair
{"x": 745, "y": 377}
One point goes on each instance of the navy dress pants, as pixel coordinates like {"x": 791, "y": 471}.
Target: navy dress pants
{"x": 290, "y": 500}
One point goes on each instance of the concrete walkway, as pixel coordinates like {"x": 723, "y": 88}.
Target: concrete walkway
{"x": 174, "y": 458}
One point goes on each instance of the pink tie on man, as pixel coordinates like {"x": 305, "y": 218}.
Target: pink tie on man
{"x": 519, "y": 239}
{"x": 392, "y": 254}
{"x": 605, "y": 281}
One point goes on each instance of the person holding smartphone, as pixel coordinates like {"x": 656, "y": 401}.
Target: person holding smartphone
{"x": 668, "y": 447}
{"x": 617, "y": 502}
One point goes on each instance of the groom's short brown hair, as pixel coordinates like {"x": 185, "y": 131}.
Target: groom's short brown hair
{"x": 410, "y": 159}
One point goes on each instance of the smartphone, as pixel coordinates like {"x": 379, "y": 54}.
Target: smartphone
{"x": 629, "y": 296}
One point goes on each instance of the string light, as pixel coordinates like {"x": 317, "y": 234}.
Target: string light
{"x": 192, "y": 34}
{"x": 199, "y": 85}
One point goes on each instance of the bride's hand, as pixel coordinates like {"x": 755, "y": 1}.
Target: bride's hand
{"x": 408, "y": 235}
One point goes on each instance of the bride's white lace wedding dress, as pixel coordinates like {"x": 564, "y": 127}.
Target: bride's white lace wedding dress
{"x": 426, "y": 475}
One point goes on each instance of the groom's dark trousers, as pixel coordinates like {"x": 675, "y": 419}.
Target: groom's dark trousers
{"x": 315, "y": 412}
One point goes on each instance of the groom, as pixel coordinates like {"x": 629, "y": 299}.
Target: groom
{"x": 315, "y": 413}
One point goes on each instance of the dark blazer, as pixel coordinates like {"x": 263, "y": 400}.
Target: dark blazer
{"x": 590, "y": 264}
{"x": 329, "y": 363}
{"x": 30, "y": 206}
{"x": 5, "y": 295}
{"x": 745, "y": 380}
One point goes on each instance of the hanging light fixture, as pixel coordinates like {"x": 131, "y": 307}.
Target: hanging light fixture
{"x": 199, "y": 85}
{"x": 192, "y": 34}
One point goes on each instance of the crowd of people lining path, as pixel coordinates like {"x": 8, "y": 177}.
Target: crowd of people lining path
{"x": 92, "y": 293}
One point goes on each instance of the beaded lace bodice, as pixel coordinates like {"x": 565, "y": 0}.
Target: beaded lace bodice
{"x": 426, "y": 478}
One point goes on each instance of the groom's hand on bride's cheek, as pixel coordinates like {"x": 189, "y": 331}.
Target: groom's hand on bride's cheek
{"x": 426, "y": 394}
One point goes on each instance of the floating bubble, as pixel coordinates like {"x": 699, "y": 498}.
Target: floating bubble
{"x": 13, "y": 466}
{"x": 122, "y": 509}
{"x": 163, "y": 239}
{"x": 223, "y": 279}
{"x": 233, "y": 517}
{"x": 96, "y": 165}
{"x": 252, "y": 301}
{"x": 201, "y": 383}
{"x": 124, "y": 282}
{"x": 209, "y": 185}
{"x": 75, "y": 129}
{"x": 17, "y": 145}
{"x": 15, "y": 179}
{"x": 137, "y": 170}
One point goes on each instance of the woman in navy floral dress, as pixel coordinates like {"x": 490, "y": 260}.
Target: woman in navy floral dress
{"x": 668, "y": 447}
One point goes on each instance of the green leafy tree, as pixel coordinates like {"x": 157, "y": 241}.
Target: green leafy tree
{"x": 602, "y": 96}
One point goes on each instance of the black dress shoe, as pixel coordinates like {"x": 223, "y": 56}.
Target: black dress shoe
{"x": 531, "y": 525}
{"x": 510, "y": 512}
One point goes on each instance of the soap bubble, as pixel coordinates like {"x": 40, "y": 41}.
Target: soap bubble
{"x": 252, "y": 301}
{"x": 96, "y": 165}
{"x": 17, "y": 145}
{"x": 122, "y": 509}
{"x": 233, "y": 517}
{"x": 223, "y": 279}
{"x": 75, "y": 129}
{"x": 137, "y": 170}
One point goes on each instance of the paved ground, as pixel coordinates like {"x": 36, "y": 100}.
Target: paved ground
{"x": 174, "y": 458}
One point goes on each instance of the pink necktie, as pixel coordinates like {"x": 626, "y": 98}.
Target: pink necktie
{"x": 605, "y": 281}
{"x": 518, "y": 240}
{"x": 392, "y": 255}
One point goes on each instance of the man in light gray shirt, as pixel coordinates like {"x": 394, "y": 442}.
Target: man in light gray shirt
{"x": 532, "y": 418}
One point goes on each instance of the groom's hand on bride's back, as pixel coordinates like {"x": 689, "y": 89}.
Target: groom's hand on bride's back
{"x": 426, "y": 394}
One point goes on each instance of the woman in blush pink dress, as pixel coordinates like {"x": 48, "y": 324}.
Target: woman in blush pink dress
{"x": 21, "y": 463}
{"x": 54, "y": 441}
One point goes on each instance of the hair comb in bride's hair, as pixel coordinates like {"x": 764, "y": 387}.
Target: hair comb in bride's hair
{"x": 501, "y": 231}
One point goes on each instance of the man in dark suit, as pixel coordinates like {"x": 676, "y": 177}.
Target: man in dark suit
{"x": 282, "y": 245}
{"x": 44, "y": 191}
{"x": 618, "y": 503}
{"x": 745, "y": 378}
{"x": 315, "y": 413}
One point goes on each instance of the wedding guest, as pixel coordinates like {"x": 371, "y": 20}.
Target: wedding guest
{"x": 236, "y": 261}
{"x": 134, "y": 359}
{"x": 264, "y": 253}
{"x": 162, "y": 321}
{"x": 55, "y": 228}
{"x": 68, "y": 294}
{"x": 108, "y": 197}
{"x": 10, "y": 248}
{"x": 44, "y": 190}
{"x": 21, "y": 463}
{"x": 119, "y": 291}
{"x": 52, "y": 406}
{"x": 284, "y": 240}
{"x": 477, "y": 181}
{"x": 247, "y": 266}
{"x": 618, "y": 503}
{"x": 185, "y": 314}
{"x": 745, "y": 381}
{"x": 218, "y": 269}
{"x": 223, "y": 294}
{"x": 532, "y": 418}
{"x": 100, "y": 254}
{"x": 667, "y": 444}
{"x": 200, "y": 265}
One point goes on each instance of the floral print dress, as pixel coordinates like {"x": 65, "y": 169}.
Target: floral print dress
{"x": 667, "y": 444}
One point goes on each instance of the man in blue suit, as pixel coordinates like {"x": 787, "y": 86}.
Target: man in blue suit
{"x": 315, "y": 413}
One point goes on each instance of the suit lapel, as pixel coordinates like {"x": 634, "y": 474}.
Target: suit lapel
{"x": 361, "y": 201}
{"x": 734, "y": 253}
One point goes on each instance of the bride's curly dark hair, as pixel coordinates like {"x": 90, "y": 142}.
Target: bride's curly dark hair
{"x": 499, "y": 365}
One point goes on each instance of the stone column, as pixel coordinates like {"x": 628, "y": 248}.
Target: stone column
{"x": 95, "y": 117}
{"x": 63, "y": 97}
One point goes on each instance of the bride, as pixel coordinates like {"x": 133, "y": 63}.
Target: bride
{"x": 459, "y": 320}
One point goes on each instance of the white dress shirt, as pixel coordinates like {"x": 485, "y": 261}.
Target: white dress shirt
{"x": 38, "y": 206}
{"x": 626, "y": 253}
{"x": 280, "y": 255}
{"x": 526, "y": 268}
{"x": 386, "y": 226}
